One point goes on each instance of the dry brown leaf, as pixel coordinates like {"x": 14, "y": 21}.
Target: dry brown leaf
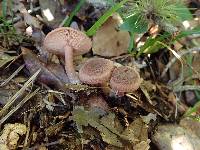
{"x": 149, "y": 117}
{"x": 10, "y": 136}
{"x": 173, "y": 100}
{"x": 52, "y": 74}
{"x": 143, "y": 145}
{"x": 136, "y": 131}
{"x": 30, "y": 20}
{"x": 54, "y": 129}
{"x": 108, "y": 41}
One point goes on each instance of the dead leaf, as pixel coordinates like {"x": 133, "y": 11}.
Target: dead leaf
{"x": 92, "y": 118}
{"x": 109, "y": 126}
{"x": 30, "y": 20}
{"x": 111, "y": 122}
{"x": 136, "y": 132}
{"x": 108, "y": 41}
{"x": 53, "y": 130}
{"x": 149, "y": 117}
{"x": 5, "y": 58}
{"x": 143, "y": 145}
{"x": 147, "y": 87}
{"x": 10, "y": 136}
{"x": 196, "y": 62}
{"x": 52, "y": 74}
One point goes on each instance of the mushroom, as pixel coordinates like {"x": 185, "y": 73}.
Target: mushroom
{"x": 96, "y": 71}
{"x": 68, "y": 42}
{"x": 124, "y": 79}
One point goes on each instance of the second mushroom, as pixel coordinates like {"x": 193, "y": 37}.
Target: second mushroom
{"x": 96, "y": 71}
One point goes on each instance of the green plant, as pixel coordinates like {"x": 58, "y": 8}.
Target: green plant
{"x": 8, "y": 33}
{"x": 165, "y": 13}
{"x": 142, "y": 14}
{"x": 73, "y": 13}
{"x": 193, "y": 112}
{"x": 4, "y": 8}
{"x": 103, "y": 18}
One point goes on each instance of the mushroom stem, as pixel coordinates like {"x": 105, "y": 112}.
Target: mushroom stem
{"x": 69, "y": 66}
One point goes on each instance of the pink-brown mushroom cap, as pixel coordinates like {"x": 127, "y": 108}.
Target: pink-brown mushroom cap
{"x": 56, "y": 40}
{"x": 96, "y": 71}
{"x": 68, "y": 42}
{"x": 125, "y": 79}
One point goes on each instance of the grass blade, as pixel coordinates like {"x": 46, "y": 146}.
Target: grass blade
{"x": 4, "y": 8}
{"x": 12, "y": 76}
{"x": 103, "y": 18}
{"x": 73, "y": 13}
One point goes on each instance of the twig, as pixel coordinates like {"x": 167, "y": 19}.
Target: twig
{"x": 173, "y": 60}
{"x": 186, "y": 87}
{"x": 12, "y": 76}
{"x": 18, "y": 106}
{"x": 19, "y": 93}
{"x": 28, "y": 120}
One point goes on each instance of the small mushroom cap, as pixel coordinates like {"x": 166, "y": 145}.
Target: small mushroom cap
{"x": 56, "y": 40}
{"x": 125, "y": 79}
{"x": 96, "y": 71}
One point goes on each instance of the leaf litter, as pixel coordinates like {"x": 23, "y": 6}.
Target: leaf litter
{"x": 109, "y": 127}
{"x": 36, "y": 94}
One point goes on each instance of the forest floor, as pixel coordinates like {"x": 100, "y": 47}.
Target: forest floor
{"x": 41, "y": 108}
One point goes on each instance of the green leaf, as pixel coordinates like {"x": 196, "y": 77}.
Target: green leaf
{"x": 112, "y": 123}
{"x": 152, "y": 45}
{"x": 188, "y": 32}
{"x": 79, "y": 116}
{"x": 183, "y": 12}
{"x": 131, "y": 42}
{"x": 135, "y": 24}
{"x": 192, "y": 110}
{"x": 103, "y": 18}
{"x": 4, "y": 8}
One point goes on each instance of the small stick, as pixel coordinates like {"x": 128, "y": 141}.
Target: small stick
{"x": 173, "y": 60}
